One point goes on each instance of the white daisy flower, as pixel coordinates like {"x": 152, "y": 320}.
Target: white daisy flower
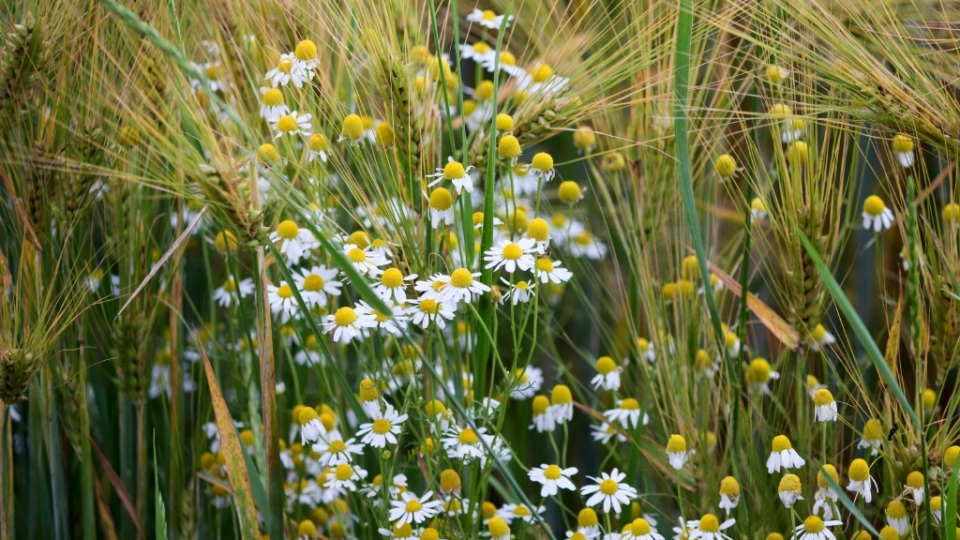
{"x": 441, "y": 207}
{"x": 542, "y": 419}
{"x": 467, "y": 444}
{"x": 903, "y": 148}
{"x": 337, "y": 451}
{"x": 610, "y": 490}
{"x": 282, "y": 302}
{"x": 627, "y": 414}
{"x": 404, "y": 532}
{"x": 394, "y": 324}
{"x": 876, "y": 215}
{"x": 783, "y": 456}
{"x": 462, "y": 286}
{"x": 294, "y": 241}
{"x": 814, "y": 528}
{"x": 454, "y": 172}
{"x": 897, "y": 517}
{"x": 309, "y": 354}
{"x": 709, "y": 527}
{"x": 272, "y": 105}
{"x": 790, "y": 490}
{"x": 431, "y": 288}
{"x": 511, "y": 255}
{"x": 729, "y": 494}
{"x": 347, "y": 324}
{"x": 383, "y": 430}
{"x": 677, "y": 452}
{"x": 289, "y": 69}
{"x": 510, "y": 512}
{"x": 478, "y": 52}
{"x": 527, "y": 382}
{"x": 820, "y": 337}
{"x": 640, "y": 529}
{"x": 365, "y": 260}
{"x": 518, "y": 293}
{"x": 345, "y": 478}
{"x": 861, "y": 482}
{"x": 606, "y": 431}
{"x": 914, "y": 487}
{"x": 608, "y": 374}
{"x": 488, "y": 19}
{"x": 227, "y": 294}
{"x": 540, "y": 79}
{"x": 293, "y": 125}
{"x": 872, "y": 437}
{"x": 426, "y": 310}
{"x": 825, "y": 407}
{"x": 392, "y": 286}
{"x": 410, "y": 509}
{"x": 552, "y": 478}
{"x": 552, "y": 271}
{"x": 561, "y": 404}
{"x": 316, "y": 283}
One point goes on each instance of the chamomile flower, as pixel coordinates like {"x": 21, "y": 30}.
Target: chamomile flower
{"x": 709, "y": 527}
{"x": 759, "y": 375}
{"x": 792, "y": 130}
{"x": 337, "y": 451}
{"x": 757, "y": 209}
{"x": 309, "y": 354}
{"x": 383, "y": 430}
{"x": 411, "y": 509}
{"x": 467, "y": 444}
{"x": 526, "y": 382}
{"x": 511, "y": 255}
{"x": 347, "y": 324}
{"x": 272, "y": 105}
{"x": 231, "y": 291}
{"x": 604, "y": 432}
{"x": 394, "y": 324}
{"x": 294, "y": 241}
{"x": 542, "y": 419}
{"x": 345, "y": 477}
{"x": 552, "y": 478}
{"x": 404, "y": 532}
{"x": 454, "y": 172}
{"x": 903, "y": 148}
{"x": 608, "y": 374}
{"x": 561, "y": 404}
{"x": 518, "y": 293}
{"x": 392, "y": 286}
{"x": 477, "y": 52}
{"x": 914, "y": 486}
{"x": 510, "y": 512}
{"x": 825, "y": 407}
{"x": 627, "y": 414}
{"x": 282, "y": 302}
{"x": 820, "y": 337}
{"x": 316, "y": 283}
{"x": 548, "y": 271}
{"x": 936, "y": 509}
{"x": 814, "y": 528}
{"x": 587, "y": 523}
{"x": 289, "y": 69}
{"x": 427, "y": 309}
{"x": 725, "y": 167}
{"x": 317, "y": 146}
{"x": 640, "y": 529}
{"x": 783, "y": 455}
{"x": 489, "y": 19}
{"x": 463, "y": 286}
{"x": 365, "y": 260}
{"x": 826, "y": 497}
{"x": 677, "y": 452}
{"x": 729, "y": 494}
{"x": 441, "y": 207}
{"x": 542, "y": 165}
{"x": 897, "y": 517}
{"x": 311, "y": 428}
{"x": 610, "y": 490}
{"x": 872, "y": 437}
{"x": 539, "y": 79}
{"x": 498, "y": 529}
{"x": 876, "y": 215}
{"x": 860, "y": 479}
{"x": 790, "y": 489}
{"x": 293, "y": 125}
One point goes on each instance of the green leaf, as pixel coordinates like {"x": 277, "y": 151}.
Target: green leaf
{"x": 258, "y": 489}
{"x": 860, "y": 329}
{"x": 950, "y": 515}
{"x": 160, "y": 517}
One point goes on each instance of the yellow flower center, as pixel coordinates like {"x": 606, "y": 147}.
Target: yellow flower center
{"x": 306, "y": 528}
{"x": 813, "y": 524}
{"x": 859, "y": 470}
{"x": 318, "y": 142}
{"x": 384, "y": 135}
{"x": 521, "y": 510}
{"x": 313, "y": 283}
{"x": 306, "y": 50}
{"x": 790, "y": 483}
{"x": 798, "y": 152}
{"x": 781, "y": 443}
{"x": 273, "y": 97}
{"x": 725, "y": 166}
{"x": 337, "y": 446}
{"x": 267, "y": 153}
{"x": 461, "y": 278}
{"x": 608, "y": 487}
{"x": 507, "y": 58}
{"x": 522, "y": 285}
{"x": 468, "y": 436}
{"x": 504, "y": 122}
{"x": 902, "y": 144}
{"x": 873, "y": 430}
{"x": 381, "y": 426}
{"x": 587, "y": 518}
{"x": 552, "y": 472}
{"x": 413, "y": 505}
{"x": 561, "y": 395}
{"x": 352, "y": 127}
{"x": 831, "y": 472}
{"x": 498, "y": 527}
{"x": 822, "y": 397}
{"x": 540, "y": 404}
{"x": 441, "y": 199}
{"x": 230, "y": 285}
{"x": 542, "y": 161}
{"x": 392, "y": 278}
{"x": 287, "y": 123}
{"x": 640, "y": 527}
{"x": 759, "y": 371}
{"x": 538, "y": 229}
{"x": 896, "y": 510}
{"x": 757, "y": 204}
{"x": 950, "y": 456}
{"x": 484, "y": 91}
{"x": 345, "y": 316}
{"x": 584, "y": 138}
{"x": 605, "y": 364}
{"x": 676, "y": 444}
{"x": 915, "y": 480}
{"x": 357, "y": 255}
{"x": 541, "y": 72}
{"x": 709, "y": 523}
{"x": 403, "y": 532}
{"x": 343, "y": 472}
{"x": 429, "y": 305}
{"x": 508, "y": 147}
{"x": 368, "y": 391}
{"x": 951, "y": 213}
{"x": 512, "y": 251}
{"x": 873, "y": 205}
{"x": 730, "y": 487}
{"x": 288, "y": 230}
{"x": 630, "y": 404}
{"x": 489, "y": 15}
{"x": 284, "y": 291}
{"x": 569, "y": 191}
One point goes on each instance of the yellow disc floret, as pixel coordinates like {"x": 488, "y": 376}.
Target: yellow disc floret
{"x": 725, "y": 166}
{"x": 352, "y": 127}
{"x": 508, "y": 147}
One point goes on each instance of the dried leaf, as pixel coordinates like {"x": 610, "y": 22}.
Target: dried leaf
{"x": 780, "y": 328}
